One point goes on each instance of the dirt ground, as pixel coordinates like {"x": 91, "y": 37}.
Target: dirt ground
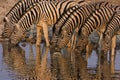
{"x": 6, "y": 5}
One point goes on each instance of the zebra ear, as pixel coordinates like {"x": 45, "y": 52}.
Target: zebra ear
{"x": 5, "y": 19}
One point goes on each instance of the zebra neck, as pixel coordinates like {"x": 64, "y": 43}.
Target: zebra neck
{"x": 20, "y": 8}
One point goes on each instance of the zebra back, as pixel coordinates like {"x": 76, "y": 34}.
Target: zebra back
{"x": 64, "y": 5}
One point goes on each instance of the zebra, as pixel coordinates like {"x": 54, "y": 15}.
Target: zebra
{"x": 17, "y": 11}
{"x": 64, "y": 28}
{"x": 109, "y": 35}
{"x": 43, "y": 14}
{"x": 97, "y": 21}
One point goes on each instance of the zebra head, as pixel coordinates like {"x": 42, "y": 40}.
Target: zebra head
{"x": 16, "y": 35}
{"x": 64, "y": 38}
{"x": 106, "y": 42}
{"x": 8, "y": 28}
{"x": 54, "y": 39}
{"x": 82, "y": 39}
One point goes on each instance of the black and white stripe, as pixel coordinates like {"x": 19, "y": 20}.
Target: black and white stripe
{"x": 44, "y": 13}
{"x": 74, "y": 18}
{"x": 17, "y": 11}
{"x": 111, "y": 31}
{"x": 97, "y": 21}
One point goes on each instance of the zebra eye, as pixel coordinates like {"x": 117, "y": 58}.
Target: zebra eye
{"x": 4, "y": 20}
{"x": 107, "y": 42}
{"x": 82, "y": 38}
{"x": 69, "y": 34}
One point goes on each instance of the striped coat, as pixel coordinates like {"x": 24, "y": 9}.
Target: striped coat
{"x": 74, "y": 18}
{"x": 43, "y": 14}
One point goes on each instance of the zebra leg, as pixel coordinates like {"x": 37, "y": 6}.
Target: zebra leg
{"x": 89, "y": 49}
{"x": 45, "y": 31}
{"x": 39, "y": 32}
{"x": 100, "y": 40}
{"x": 113, "y": 45}
{"x": 74, "y": 38}
{"x": 38, "y": 47}
{"x": 112, "y": 65}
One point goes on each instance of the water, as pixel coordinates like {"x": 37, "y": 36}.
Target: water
{"x": 24, "y": 63}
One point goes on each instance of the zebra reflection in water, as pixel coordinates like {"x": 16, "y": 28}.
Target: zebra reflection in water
{"x": 30, "y": 67}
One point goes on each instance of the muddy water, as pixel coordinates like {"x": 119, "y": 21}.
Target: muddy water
{"x": 24, "y": 63}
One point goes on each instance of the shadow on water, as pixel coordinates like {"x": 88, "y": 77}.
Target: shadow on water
{"x": 24, "y": 63}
